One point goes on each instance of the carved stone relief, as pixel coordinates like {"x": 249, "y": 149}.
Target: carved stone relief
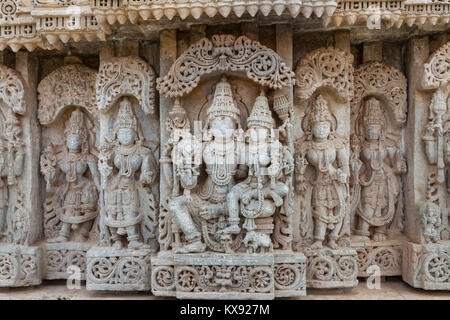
{"x": 377, "y": 165}
{"x": 128, "y": 170}
{"x": 69, "y": 166}
{"x": 231, "y": 201}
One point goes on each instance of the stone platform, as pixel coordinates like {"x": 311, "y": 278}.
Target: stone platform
{"x": 386, "y": 255}
{"x": 427, "y": 266}
{"x": 63, "y": 259}
{"x": 328, "y": 268}
{"x": 20, "y": 266}
{"x": 118, "y": 269}
{"x": 229, "y": 276}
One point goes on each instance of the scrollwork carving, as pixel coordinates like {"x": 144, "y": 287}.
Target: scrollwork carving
{"x": 225, "y": 53}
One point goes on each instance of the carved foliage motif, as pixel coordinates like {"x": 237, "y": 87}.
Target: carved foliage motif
{"x": 437, "y": 69}
{"x": 11, "y": 90}
{"x": 325, "y": 67}
{"x": 71, "y": 85}
{"x": 126, "y": 76}
{"x": 225, "y": 53}
{"x": 379, "y": 79}
{"x": 387, "y": 258}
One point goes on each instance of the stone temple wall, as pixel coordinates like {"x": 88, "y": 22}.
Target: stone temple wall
{"x": 236, "y": 152}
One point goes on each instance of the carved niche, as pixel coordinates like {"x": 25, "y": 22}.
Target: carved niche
{"x": 378, "y": 112}
{"x": 324, "y": 88}
{"x": 70, "y": 123}
{"x": 128, "y": 170}
{"x": 229, "y": 174}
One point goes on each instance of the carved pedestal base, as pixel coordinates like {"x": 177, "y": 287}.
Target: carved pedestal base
{"x": 119, "y": 270}
{"x": 20, "y": 266}
{"x": 386, "y": 255}
{"x": 64, "y": 259}
{"x": 427, "y": 266}
{"x": 290, "y": 274}
{"x": 328, "y": 268}
{"x": 229, "y": 276}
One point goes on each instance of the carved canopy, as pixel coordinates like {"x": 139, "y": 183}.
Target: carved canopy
{"x": 70, "y": 85}
{"x": 225, "y": 53}
{"x": 325, "y": 67}
{"x": 381, "y": 80}
{"x": 126, "y": 76}
{"x": 437, "y": 69}
{"x": 12, "y": 92}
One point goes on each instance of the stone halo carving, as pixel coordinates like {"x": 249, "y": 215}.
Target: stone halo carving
{"x": 12, "y": 91}
{"x": 325, "y": 67}
{"x": 225, "y": 53}
{"x": 384, "y": 81}
{"x": 437, "y": 69}
{"x": 122, "y": 76}
{"x": 69, "y": 85}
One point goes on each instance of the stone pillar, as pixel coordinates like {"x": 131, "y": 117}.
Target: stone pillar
{"x": 22, "y": 210}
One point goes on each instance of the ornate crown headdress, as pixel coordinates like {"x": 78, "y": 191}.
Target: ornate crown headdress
{"x": 373, "y": 113}
{"x": 125, "y": 117}
{"x": 223, "y": 102}
{"x": 261, "y": 116}
{"x": 320, "y": 112}
{"x": 76, "y": 124}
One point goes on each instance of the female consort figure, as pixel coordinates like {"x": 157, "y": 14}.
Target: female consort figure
{"x": 79, "y": 193}
{"x": 265, "y": 162}
{"x": 221, "y": 158}
{"x": 328, "y": 157}
{"x": 128, "y": 161}
{"x": 382, "y": 161}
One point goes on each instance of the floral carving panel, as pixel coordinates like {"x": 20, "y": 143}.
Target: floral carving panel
{"x": 384, "y": 81}
{"x": 78, "y": 80}
{"x": 225, "y": 53}
{"x": 126, "y": 76}
{"x": 325, "y": 67}
{"x": 437, "y": 69}
{"x": 11, "y": 90}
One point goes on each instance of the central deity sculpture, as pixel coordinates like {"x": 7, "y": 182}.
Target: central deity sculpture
{"x": 126, "y": 171}
{"x": 327, "y": 155}
{"x": 79, "y": 193}
{"x": 381, "y": 161}
{"x": 261, "y": 193}
{"x": 221, "y": 155}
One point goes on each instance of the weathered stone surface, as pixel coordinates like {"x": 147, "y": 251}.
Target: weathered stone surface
{"x": 65, "y": 259}
{"x": 427, "y": 266}
{"x": 21, "y": 265}
{"x": 118, "y": 269}
{"x": 328, "y": 268}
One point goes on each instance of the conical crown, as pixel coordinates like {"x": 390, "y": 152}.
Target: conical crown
{"x": 373, "y": 113}
{"x": 125, "y": 117}
{"x": 321, "y": 112}
{"x": 223, "y": 102}
{"x": 76, "y": 124}
{"x": 261, "y": 116}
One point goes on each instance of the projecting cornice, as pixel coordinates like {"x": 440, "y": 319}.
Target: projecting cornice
{"x": 49, "y": 24}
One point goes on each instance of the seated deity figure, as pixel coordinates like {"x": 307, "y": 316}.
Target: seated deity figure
{"x": 11, "y": 162}
{"x": 126, "y": 168}
{"x": 78, "y": 194}
{"x": 382, "y": 163}
{"x": 221, "y": 156}
{"x": 261, "y": 193}
{"x": 327, "y": 155}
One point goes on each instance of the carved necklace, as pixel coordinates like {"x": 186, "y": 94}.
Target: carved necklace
{"x": 221, "y": 172}
{"x": 72, "y": 160}
{"x": 321, "y": 148}
{"x": 376, "y": 162}
{"x": 124, "y": 153}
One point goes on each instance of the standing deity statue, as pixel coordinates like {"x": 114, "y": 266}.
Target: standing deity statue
{"x": 127, "y": 170}
{"x": 77, "y": 196}
{"x": 327, "y": 155}
{"x": 382, "y": 163}
{"x": 221, "y": 156}
{"x": 262, "y": 192}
